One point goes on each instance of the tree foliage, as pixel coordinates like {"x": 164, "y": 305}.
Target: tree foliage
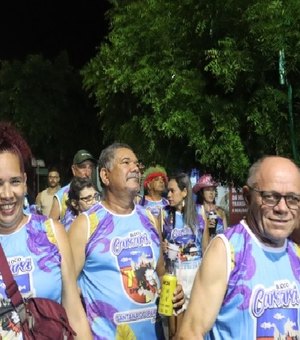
{"x": 45, "y": 100}
{"x": 189, "y": 80}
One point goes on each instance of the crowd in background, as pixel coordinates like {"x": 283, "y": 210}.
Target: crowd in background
{"x": 115, "y": 242}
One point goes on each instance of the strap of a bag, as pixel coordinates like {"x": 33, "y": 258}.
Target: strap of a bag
{"x": 12, "y": 290}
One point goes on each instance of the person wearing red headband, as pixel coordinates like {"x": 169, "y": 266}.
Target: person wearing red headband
{"x": 155, "y": 182}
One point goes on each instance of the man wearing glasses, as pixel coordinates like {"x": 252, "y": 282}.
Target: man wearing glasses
{"x": 248, "y": 285}
{"x": 44, "y": 198}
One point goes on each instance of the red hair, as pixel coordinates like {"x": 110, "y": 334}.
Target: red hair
{"x": 153, "y": 175}
{"x": 12, "y": 141}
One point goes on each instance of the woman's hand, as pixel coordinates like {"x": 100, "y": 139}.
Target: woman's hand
{"x": 165, "y": 246}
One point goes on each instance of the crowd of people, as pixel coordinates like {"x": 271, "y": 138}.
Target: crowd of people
{"x": 102, "y": 254}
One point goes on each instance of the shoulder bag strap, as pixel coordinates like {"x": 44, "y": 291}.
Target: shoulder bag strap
{"x": 12, "y": 290}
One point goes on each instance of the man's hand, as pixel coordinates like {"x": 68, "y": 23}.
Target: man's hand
{"x": 178, "y": 298}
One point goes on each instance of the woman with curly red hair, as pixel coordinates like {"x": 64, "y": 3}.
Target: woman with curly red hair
{"x": 36, "y": 247}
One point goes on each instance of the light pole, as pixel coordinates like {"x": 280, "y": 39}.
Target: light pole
{"x": 37, "y": 163}
{"x": 283, "y": 80}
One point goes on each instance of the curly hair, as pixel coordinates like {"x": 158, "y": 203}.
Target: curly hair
{"x": 11, "y": 140}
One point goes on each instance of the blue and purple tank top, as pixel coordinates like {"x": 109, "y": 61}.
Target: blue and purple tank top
{"x": 62, "y": 196}
{"x": 262, "y": 300}
{"x": 189, "y": 240}
{"x": 35, "y": 263}
{"x": 119, "y": 283}
{"x": 155, "y": 207}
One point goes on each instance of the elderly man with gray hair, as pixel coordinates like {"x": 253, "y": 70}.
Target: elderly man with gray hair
{"x": 118, "y": 257}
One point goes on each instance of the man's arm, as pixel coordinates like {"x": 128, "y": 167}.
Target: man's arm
{"x": 207, "y": 294}
{"x": 38, "y": 199}
{"x": 78, "y": 235}
{"x": 55, "y": 210}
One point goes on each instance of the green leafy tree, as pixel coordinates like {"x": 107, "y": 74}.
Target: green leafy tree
{"x": 45, "y": 100}
{"x": 200, "y": 77}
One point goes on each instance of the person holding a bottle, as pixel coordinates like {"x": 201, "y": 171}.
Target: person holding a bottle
{"x": 205, "y": 189}
{"x": 118, "y": 257}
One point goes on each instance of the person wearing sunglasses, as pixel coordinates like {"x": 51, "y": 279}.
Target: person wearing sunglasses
{"x": 248, "y": 284}
{"x": 82, "y": 196}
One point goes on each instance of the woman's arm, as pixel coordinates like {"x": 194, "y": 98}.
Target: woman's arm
{"x": 70, "y": 295}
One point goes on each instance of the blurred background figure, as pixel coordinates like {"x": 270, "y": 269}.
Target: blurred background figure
{"x": 155, "y": 182}
{"x": 83, "y": 165}
{"x": 82, "y": 196}
{"x": 206, "y": 189}
{"x": 44, "y": 198}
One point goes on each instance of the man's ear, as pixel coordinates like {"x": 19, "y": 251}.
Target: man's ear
{"x": 149, "y": 185}
{"x": 73, "y": 169}
{"x": 103, "y": 173}
{"x": 246, "y": 194}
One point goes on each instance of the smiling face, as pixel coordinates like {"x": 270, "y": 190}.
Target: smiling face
{"x": 12, "y": 191}
{"x": 278, "y": 175}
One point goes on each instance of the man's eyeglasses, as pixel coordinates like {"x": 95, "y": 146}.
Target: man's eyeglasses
{"x": 272, "y": 198}
{"x": 91, "y": 198}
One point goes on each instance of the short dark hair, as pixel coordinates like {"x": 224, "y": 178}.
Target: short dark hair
{"x": 108, "y": 154}
{"x": 77, "y": 184}
{"x": 53, "y": 169}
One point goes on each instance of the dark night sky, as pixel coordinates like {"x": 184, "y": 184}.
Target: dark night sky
{"x": 49, "y": 26}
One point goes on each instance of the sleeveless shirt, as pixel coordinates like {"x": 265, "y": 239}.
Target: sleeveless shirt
{"x": 34, "y": 260}
{"x": 62, "y": 197}
{"x": 262, "y": 299}
{"x": 155, "y": 207}
{"x": 119, "y": 282}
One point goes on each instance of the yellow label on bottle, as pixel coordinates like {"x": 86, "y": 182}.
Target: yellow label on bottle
{"x": 169, "y": 283}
